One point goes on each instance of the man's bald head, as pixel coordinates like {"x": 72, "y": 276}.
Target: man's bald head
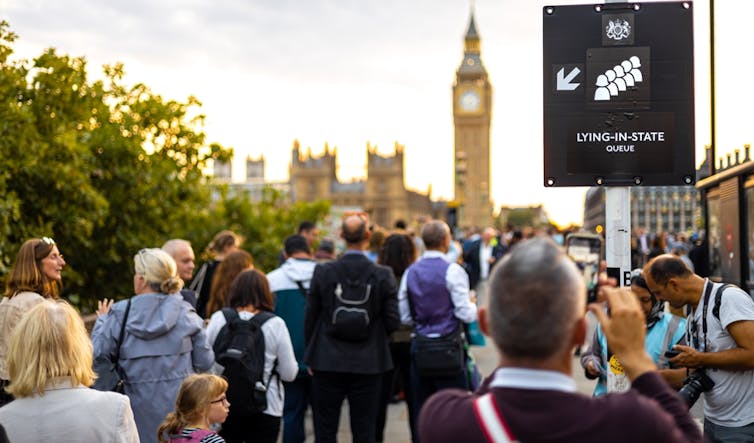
{"x": 354, "y": 230}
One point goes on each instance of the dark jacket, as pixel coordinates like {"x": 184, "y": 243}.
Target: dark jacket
{"x": 650, "y": 412}
{"x": 471, "y": 260}
{"x": 327, "y": 353}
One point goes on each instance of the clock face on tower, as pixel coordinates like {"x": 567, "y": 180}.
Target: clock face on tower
{"x": 470, "y": 101}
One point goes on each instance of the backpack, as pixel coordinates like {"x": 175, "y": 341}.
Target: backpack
{"x": 719, "y": 297}
{"x": 196, "y": 436}
{"x": 352, "y": 305}
{"x": 239, "y": 348}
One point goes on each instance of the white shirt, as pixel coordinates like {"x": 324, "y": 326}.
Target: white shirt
{"x": 277, "y": 345}
{"x": 527, "y": 378}
{"x": 731, "y": 401}
{"x": 485, "y": 253}
{"x": 457, "y": 283}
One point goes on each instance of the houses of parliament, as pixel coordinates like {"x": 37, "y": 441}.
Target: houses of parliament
{"x": 383, "y": 194}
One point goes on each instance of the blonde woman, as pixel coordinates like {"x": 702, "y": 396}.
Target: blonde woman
{"x": 36, "y": 275}
{"x": 50, "y": 364}
{"x": 164, "y": 340}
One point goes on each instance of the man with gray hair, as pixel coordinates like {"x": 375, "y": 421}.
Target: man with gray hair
{"x": 434, "y": 297}
{"x": 536, "y": 318}
{"x": 183, "y": 254}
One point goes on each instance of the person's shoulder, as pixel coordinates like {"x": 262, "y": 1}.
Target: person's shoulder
{"x": 103, "y": 402}
{"x": 275, "y": 274}
{"x": 446, "y": 416}
{"x": 734, "y": 294}
{"x": 630, "y": 405}
{"x": 383, "y": 271}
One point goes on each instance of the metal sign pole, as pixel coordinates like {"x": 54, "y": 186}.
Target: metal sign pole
{"x": 618, "y": 227}
{"x": 618, "y": 233}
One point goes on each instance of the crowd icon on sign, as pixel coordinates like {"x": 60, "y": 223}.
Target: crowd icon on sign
{"x": 624, "y": 75}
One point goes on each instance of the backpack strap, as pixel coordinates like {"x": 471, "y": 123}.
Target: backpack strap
{"x": 259, "y": 319}
{"x": 230, "y": 314}
{"x": 718, "y": 300}
{"x": 301, "y": 288}
{"x": 198, "y": 281}
{"x": 491, "y": 421}
{"x": 122, "y": 333}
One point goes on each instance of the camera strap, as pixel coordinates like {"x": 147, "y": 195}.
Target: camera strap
{"x": 707, "y": 296}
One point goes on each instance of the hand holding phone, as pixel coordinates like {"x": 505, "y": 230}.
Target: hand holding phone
{"x": 672, "y": 353}
{"x": 586, "y": 251}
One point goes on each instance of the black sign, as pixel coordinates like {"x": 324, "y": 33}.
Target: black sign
{"x": 618, "y": 94}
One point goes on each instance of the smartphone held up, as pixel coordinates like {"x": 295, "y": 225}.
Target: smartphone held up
{"x": 586, "y": 251}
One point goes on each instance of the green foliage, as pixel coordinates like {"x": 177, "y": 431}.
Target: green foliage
{"x": 107, "y": 169}
{"x": 264, "y": 225}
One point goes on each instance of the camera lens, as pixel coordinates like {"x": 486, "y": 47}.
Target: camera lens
{"x": 693, "y": 386}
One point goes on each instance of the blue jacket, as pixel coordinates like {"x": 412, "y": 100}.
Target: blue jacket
{"x": 667, "y": 332}
{"x": 164, "y": 342}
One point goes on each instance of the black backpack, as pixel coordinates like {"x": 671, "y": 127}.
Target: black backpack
{"x": 352, "y": 305}
{"x": 239, "y": 348}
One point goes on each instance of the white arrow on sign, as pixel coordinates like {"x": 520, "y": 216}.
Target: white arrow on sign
{"x": 564, "y": 83}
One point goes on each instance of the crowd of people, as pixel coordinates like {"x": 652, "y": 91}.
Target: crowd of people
{"x": 229, "y": 353}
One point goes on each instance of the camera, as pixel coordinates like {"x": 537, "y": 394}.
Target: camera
{"x": 693, "y": 386}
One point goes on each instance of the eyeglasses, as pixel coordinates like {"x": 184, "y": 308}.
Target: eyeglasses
{"x": 48, "y": 241}
{"x": 222, "y": 399}
{"x": 141, "y": 254}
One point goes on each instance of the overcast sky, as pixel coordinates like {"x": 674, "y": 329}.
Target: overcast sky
{"x": 352, "y": 72}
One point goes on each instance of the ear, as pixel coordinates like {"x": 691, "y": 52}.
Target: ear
{"x": 579, "y": 332}
{"x": 483, "y": 325}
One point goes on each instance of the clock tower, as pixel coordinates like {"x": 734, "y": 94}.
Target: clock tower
{"x": 472, "y": 110}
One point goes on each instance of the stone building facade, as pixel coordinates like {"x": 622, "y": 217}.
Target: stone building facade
{"x": 382, "y": 195}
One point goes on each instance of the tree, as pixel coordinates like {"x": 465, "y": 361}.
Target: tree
{"x": 75, "y": 168}
{"x": 107, "y": 169}
{"x": 264, "y": 225}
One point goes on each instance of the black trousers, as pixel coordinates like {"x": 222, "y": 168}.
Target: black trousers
{"x": 257, "y": 428}
{"x": 401, "y": 354}
{"x": 329, "y": 389}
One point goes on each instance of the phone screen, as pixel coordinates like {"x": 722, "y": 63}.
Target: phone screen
{"x": 586, "y": 252}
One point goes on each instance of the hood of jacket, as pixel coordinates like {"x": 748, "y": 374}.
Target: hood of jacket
{"x": 153, "y": 315}
{"x": 296, "y": 269}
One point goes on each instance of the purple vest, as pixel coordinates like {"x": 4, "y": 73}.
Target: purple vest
{"x": 432, "y": 306}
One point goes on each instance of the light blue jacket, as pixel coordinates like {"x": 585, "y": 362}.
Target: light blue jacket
{"x": 667, "y": 332}
{"x": 164, "y": 342}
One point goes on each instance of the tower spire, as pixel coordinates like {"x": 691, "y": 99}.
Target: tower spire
{"x": 472, "y": 43}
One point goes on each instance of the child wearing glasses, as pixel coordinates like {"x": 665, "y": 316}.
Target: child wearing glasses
{"x": 200, "y": 404}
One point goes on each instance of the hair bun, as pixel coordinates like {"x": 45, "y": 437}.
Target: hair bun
{"x": 171, "y": 285}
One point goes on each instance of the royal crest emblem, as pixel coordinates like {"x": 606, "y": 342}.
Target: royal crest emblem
{"x": 618, "y": 29}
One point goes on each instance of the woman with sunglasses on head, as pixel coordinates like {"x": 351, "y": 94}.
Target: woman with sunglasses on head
{"x": 664, "y": 330}
{"x": 163, "y": 343}
{"x": 35, "y": 276}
